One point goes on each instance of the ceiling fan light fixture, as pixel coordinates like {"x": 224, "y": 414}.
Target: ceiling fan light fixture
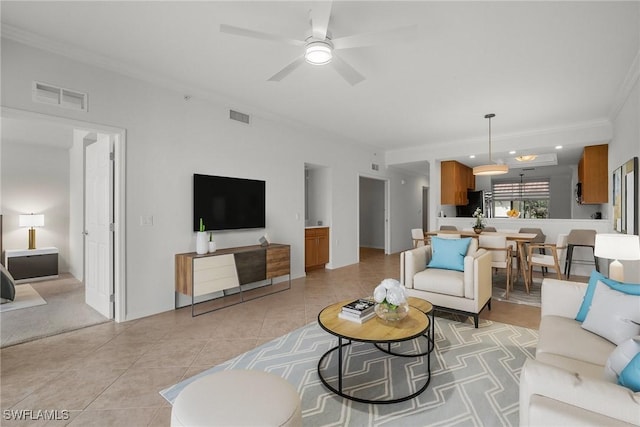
{"x": 318, "y": 53}
{"x": 490, "y": 169}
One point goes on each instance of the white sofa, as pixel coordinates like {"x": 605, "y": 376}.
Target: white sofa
{"x": 464, "y": 292}
{"x": 564, "y": 385}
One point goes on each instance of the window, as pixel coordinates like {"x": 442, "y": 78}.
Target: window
{"x": 528, "y": 196}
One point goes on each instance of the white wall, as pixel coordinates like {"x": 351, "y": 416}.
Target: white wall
{"x": 405, "y": 210}
{"x": 372, "y": 213}
{"x": 319, "y": 196}
{"x": 624, "y": 146}
{"x": 76, "y": 209}
{"x": 35, "y": 179}
{"x": 168, "y": 140}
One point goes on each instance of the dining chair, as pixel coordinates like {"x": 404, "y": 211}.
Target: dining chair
{"x": 540, "y": 238}
{"x": 493, "y": 229}
{"x": 448, "y": 227}
{"x": 500, "y": 256}
{"x": 418, "y": 237}
{"x": 543, "y": 260}
{"x": 580, "y": 238}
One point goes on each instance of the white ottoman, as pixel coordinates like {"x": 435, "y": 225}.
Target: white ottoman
{"x": 237, "y": 398}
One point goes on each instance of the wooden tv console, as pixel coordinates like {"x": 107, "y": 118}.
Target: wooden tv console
{"x": 230, "y": 268}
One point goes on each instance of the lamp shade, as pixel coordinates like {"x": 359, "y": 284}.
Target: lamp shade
{"x": 31, "y": 220}
{"x": 617, "y": 246}
{"x": 491, "y": 169}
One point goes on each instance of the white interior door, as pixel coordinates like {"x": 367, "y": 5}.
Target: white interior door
{"x": 98, "y": 244}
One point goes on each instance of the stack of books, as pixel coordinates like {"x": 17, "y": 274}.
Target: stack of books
{"x": 358, "y": 311}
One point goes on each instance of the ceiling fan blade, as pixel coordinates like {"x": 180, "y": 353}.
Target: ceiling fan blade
{"x": 230, "y": 29}
{"x": 320, "y": 14}
{"x": 287, "y": 70}
{"x": 346, "y": 71}
{"x": 396, "y": 35}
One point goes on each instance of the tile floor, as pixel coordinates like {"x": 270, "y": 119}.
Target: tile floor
{"x": 110, "y": 374}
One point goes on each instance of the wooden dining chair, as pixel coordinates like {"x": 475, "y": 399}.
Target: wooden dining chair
{"x": 418, "y": 237}
{"x": 448, "y": 227}
{"x": 500, "y": 256}
{"x": 535, "y": 258}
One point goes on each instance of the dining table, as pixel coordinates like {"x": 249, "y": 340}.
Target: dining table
{"x": 521, "y": 239}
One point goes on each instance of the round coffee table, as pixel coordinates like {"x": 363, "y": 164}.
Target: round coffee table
{"x": 378, "y": 332}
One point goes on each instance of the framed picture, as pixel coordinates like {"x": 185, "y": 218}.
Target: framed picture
{"x": 617, "y": 199}
{"x": 625, "y": 197}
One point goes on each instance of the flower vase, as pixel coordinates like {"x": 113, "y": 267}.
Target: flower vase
{"x": 478, "y": 230}
{"x": 202, "y": 238}
{"x": 212, "y": 246}
{"x": 390, "y": 312}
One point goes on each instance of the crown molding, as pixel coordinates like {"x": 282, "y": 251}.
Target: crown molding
{"x": 630, "y": 79}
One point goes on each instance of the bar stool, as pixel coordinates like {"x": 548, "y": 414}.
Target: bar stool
{"x": 581, "y": 238}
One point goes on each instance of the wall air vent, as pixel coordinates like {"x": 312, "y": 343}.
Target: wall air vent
{"x": 54, "y": 95}
{"x": 375, "y": 166}
{"x": 238, "y": 116}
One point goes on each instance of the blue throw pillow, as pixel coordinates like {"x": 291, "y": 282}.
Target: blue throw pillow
{"x": 626, "y": 288}
{"x": 448, "y": 254}
{"x": 630, "y": 375}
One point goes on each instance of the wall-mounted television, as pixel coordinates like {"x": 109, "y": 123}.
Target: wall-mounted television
{"x": 226, "y": 203}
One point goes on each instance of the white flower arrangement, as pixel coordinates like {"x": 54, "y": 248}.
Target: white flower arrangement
{"x": 390, "y": 292}
{"x": 479, "y": 216}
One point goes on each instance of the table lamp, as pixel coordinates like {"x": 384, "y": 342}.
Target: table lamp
{"x": 617, "y": 247}
{"x": 31, "y": 221}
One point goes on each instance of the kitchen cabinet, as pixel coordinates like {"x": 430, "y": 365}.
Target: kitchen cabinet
{"x": 593, "y": 174}
{"x": 455, "y": 180}
{"x": 316, "y": 247}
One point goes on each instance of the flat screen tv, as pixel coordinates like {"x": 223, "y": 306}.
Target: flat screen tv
{"x": 226, "y": 203}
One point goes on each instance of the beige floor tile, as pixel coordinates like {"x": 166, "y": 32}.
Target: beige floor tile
{"x": 72, "y": 390}
{"x": 171, "y": 353}
{"x": 136, "y": 417}
{"x": 138, "y": 388}
{"x": 18, "y": 384}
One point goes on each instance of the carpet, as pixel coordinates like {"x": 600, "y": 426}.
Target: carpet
{"x": 474, "y": 376}
{"x": 25, "y": 297}
{"x": 65, "y": 310}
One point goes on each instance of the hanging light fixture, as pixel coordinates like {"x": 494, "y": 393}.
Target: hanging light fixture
{"x": 492, "y": 168}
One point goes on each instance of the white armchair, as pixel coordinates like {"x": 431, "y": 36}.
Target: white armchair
{"x": 463, "y": 292}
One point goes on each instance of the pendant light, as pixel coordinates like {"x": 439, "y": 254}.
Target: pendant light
{"x": 491, "y": 168}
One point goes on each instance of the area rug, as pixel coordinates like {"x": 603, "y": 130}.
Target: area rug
{"x": 25, "y": 297}
{"x": 518, "y": 295}
{"x": 474, "y": 376}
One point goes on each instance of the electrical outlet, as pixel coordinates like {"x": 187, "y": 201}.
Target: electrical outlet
{"x": 146, "y": 220}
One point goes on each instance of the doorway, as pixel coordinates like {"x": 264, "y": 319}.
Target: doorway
{"x": 74, "y": 234}
{"x": 425, "y": 208}
{"x": 373, "y": 208}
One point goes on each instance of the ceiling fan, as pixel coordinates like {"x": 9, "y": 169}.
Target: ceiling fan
{"x": 319, "y": 48}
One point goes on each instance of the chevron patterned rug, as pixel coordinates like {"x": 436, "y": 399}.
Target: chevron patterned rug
{"x": 474, "y": 376}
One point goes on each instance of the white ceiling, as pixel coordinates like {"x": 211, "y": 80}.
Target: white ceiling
{"x": 537, "y": 65}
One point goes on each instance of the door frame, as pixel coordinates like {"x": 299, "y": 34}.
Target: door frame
{"x": 119, "y": 195}
{"x": 387, "y": 212}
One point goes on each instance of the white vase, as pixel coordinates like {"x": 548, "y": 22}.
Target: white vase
{"x": 202, "y": 238}
{"x": 212, "y": 246}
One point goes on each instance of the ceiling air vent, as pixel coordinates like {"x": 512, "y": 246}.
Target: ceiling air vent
{"x": 54, "y": 95}
{"x": 238, "y": 116}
